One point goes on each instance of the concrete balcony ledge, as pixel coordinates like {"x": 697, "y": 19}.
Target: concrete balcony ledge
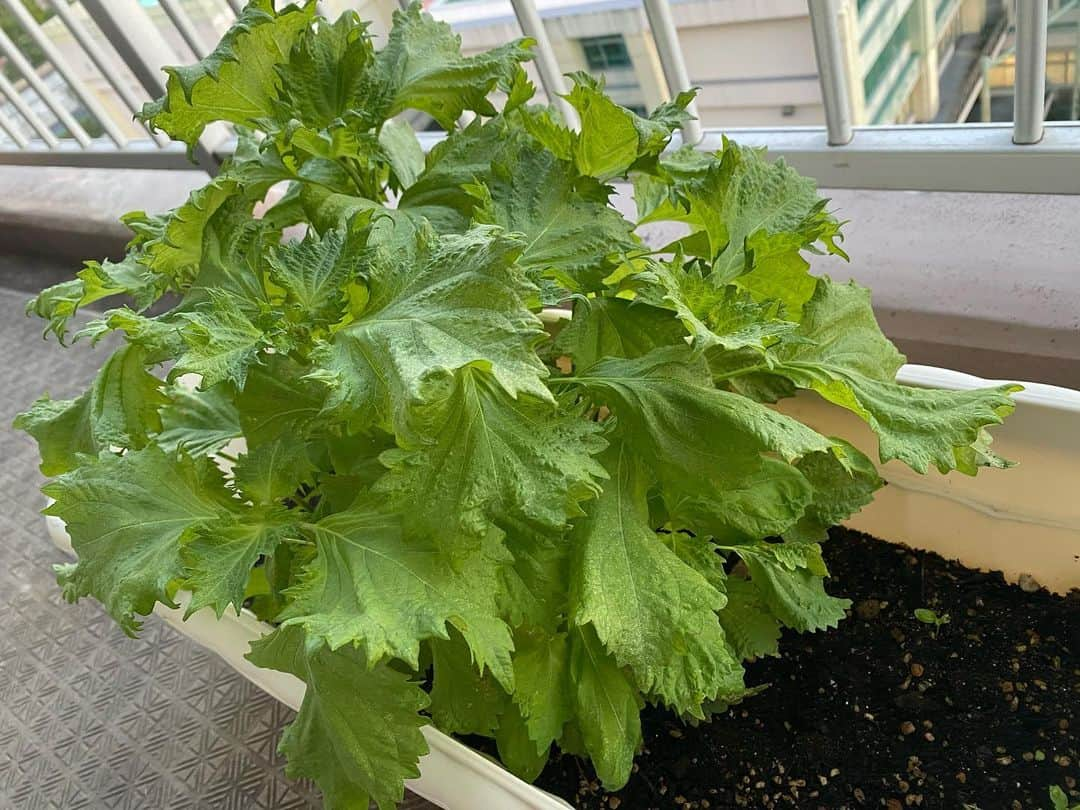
{"x": 982, "y": 283}
{"x": 74, "y": 213}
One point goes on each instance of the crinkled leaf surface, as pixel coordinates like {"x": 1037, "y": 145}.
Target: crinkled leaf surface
{"x": 487, "y": 458}
{"x": 440, "y": 192}
{"x": 120, "y": 410}
{"x": 422, "y": 68}
{"x": 314, "y": 273}
{"x": 569, "y": 228}
{"x": 456, "y": 301}
{"x": 615, "y": 327}
{"x": 369, "y": 585}
{"x": 199, "y": 422}
{"x": 847, "y": 360}
{"x": 358, "y": 730}
{"x": 238, "y": 81}
{"x": 219, "y": 559}
{"x": 323, "y": 76}
{"x": 222, "y": 342}
{"x": 655, "y": 613}
{"x": 126, "y": 516}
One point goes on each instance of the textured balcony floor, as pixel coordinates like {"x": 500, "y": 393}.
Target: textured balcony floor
{"x": 88, "y": 717}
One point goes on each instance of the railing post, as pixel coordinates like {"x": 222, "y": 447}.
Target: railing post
{"x": 184, "y": 26}
{"x": 32, "y": 118}
{"x": 1029, "y": 90}
{"x": 97, "y": 55}
{"x": 546, "y": 63}
{"x": 829, "y": 50}
{"x": 56, "y": 59}
{"x": 666, "y": 37}
{"x": 13, "y": 132}
{"x": 63, "y": 115}
{"x": 144, "y": 50}
{"x": 1076, "y": 75}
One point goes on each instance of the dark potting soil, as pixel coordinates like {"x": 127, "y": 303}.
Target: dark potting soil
{"x": 881, "y": 712}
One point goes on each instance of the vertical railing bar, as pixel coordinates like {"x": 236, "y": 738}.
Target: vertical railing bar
{"x": 673, "y": 63}
{"x": 51, "y": 101}
{"x": 53, "y": 55}
{"x": 985, "y": 96}
{"x": 546, "y": 63}
{"x": 237, "y": 6}
{"x": 13, "y": 132}
{"x": 142, "y": 47}
{"x": 97, "y": 56}
{"x": 404, "y": 4}
{"x": 829, "y": 51}
{"x": 184, "y": 25}
{"x": 133, "y": 40}
{"x": 1029, "y": 87}
{"x": 32, "y": 118}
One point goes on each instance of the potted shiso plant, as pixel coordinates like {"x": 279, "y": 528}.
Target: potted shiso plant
{"x": 451, "y": 502}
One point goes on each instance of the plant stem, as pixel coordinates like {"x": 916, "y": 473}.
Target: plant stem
{"x": 741, "y": 372}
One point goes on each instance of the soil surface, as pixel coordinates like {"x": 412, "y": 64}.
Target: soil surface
{"x": 882, "y": 712}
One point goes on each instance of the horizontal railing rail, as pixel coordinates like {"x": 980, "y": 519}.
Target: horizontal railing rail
{"x": 42, "y": 127}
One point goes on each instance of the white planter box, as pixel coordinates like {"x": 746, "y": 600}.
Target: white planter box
{"x": 1023, "y": 521}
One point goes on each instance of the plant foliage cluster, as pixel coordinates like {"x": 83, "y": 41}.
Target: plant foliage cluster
{"x": 550, "y": 531}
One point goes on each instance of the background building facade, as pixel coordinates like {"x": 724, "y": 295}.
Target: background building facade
{"x": 909, "y": 60}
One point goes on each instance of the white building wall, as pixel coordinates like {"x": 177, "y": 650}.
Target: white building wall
{"x": 750, "y": 72}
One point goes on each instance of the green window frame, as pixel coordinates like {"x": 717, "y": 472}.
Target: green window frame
{"x": 606, "y": 53}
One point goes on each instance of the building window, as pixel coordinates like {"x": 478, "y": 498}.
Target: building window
{"x": 605, "y": 53}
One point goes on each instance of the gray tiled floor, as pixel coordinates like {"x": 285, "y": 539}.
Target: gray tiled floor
{"x": 88, "y": 717}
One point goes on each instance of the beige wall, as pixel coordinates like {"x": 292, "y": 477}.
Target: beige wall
{"x": 764, "y": 48}
{"x": 748, "y": 72}
{"x": 751, "y": 116}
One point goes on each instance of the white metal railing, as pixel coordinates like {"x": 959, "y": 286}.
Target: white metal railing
{"x": 550, "y": 77}
{"x": 1030, "y": 82}
{"x": 1026, "y": 156}
{"x": 671, "y": 60}
{"x": 46, "y": 110}
{"x": 831, "y": 70}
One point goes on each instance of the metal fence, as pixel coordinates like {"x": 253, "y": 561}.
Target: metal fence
{"x": 48, "y": 106}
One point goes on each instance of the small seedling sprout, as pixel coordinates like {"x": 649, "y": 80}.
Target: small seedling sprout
{"x": 928, "y": 616}
{"x": 1059, "y": 799}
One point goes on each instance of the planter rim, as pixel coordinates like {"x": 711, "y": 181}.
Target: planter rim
{"x": 1034, "y": 393}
